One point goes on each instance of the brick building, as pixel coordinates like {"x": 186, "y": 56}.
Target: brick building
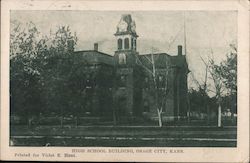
{"x": 120, "y": 85}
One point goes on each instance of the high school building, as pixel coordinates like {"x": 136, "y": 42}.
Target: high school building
{"x": 128, "y": 85}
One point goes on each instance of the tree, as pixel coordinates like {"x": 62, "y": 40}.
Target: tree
{"x": 229, "y": 70}
{"x": 218, "y": 84}
{"x": 76, "y": 84}
{"x": 26, "y": 48}
{"x": 224, "y": 76}
{"x": 228, "y": 73}
{"x": 214, "y": 71}
{"x": 197, "y": 100}
{"x": 58, "y": 68}
{"x": 159, "y": 82}
{"x": 62, "y": 41}
{"x": 203, "y": 90}
{"x": 41, "y": 69}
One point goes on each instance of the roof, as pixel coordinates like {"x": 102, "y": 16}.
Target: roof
{"x": 180, "y": 61}
{"x": 128, "y": 19}
{"x": 93, "y": 56}
{"x": 164, "y": 59}
{"x": 159, "y": 58}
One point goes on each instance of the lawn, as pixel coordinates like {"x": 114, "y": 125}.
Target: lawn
{"x": 124, "y": 136}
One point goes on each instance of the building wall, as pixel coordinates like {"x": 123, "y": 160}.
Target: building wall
{"x": 149, "y": 104}
{"x": 126, "y": 90}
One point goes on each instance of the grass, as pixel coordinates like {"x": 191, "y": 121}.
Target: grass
{"x": 124, "y": 136}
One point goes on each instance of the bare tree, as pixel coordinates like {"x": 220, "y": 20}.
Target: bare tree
{"x": 159, "y": 83}
{"x": 160, "y": 91}
{"x": 214, "y": 71}
{"x": 203, "y": 86}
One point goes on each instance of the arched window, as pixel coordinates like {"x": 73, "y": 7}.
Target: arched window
{"x": 126, "y": 43}
{"x": 132, "y": 43}
{"x": 119, "y": 44}
{"x": 122, "y": 58}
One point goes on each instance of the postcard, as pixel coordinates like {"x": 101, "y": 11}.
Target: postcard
{"x": 162, "y": 81}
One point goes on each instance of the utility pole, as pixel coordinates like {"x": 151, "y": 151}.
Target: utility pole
{"x": 185, "y": 47}
{"x": 185, "y": 52}
{"x": 185, "y": 41}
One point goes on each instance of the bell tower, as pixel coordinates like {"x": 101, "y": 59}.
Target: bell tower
{"x": 125, "y": 63}
{"x": 126, "y": 42}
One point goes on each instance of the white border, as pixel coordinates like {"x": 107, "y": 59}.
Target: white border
{"x": 239, "y": 154}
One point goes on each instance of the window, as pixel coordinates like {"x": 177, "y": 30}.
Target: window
{"x": 122, "y": 81}
{"x": 132, "y": 43}
{"x": 135, "y": 44}
{"x": 161, "y": 81}
{"x": 88, "y": 81}
{"x": 126, "y": 44}
{"x": 119, "y": 44}
{"x": 122, "y": 58}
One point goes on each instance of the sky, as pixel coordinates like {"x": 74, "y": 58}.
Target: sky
{"x": 161, "y": 30}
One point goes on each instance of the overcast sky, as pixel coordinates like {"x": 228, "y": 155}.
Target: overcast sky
{"x": 205, "y": 30}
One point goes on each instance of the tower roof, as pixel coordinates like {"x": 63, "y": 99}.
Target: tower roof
{"x": 127, "y": 18}
{"x": 126, "y": 26}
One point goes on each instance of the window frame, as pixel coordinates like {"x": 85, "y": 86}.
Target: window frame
{"x": 119, "y": 44}
{"x": 126, "y": 43}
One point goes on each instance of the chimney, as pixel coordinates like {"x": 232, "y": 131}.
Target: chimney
{"x": 96, "y": 46}
{"x": 179, "y": 50}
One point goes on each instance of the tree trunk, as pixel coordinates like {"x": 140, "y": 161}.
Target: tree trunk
{"x": 159, "y": 117}
{"x": 219, "y": 116}
{"x": 232, "y": 107}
